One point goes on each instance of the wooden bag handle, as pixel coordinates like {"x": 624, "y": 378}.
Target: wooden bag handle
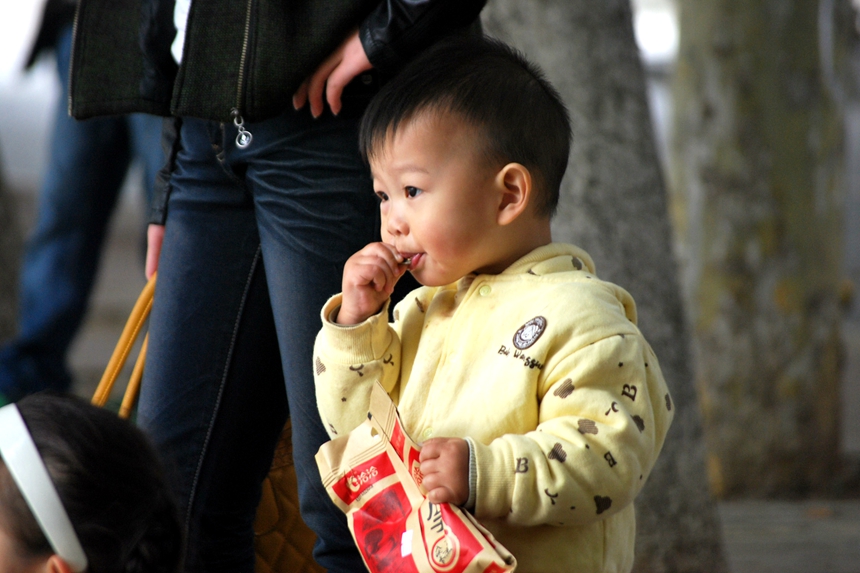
{"x": 129, "y": 335}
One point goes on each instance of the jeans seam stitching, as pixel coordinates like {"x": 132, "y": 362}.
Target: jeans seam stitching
{"x": 223, "y": 383}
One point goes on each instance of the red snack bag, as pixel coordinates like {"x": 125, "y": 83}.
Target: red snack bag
{"x": 373, "y": 476}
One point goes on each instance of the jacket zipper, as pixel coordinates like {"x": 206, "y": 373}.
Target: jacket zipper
{"x": 244, "y": 137}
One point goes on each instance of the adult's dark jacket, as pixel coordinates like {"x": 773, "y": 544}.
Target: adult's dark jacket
{"x": 250, "y": 55}
{"x": 247, "y": 55}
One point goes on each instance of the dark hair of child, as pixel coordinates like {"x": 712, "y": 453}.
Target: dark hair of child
{"x": 110, "y": 482}
{"x": 491, "y": 86}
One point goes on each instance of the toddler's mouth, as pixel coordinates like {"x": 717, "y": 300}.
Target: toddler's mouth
{"x": 409, "y": 259}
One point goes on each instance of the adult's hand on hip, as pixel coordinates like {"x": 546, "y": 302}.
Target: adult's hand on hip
{"x": 347, "y": 61}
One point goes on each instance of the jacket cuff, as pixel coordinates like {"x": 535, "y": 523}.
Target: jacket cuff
{"x": 358, "y": 343}
{"x": 473, "y": 477}
{"x": 493, "y": 484}
{"x": 380, "y": 57}
{"x": 397, "y": 30}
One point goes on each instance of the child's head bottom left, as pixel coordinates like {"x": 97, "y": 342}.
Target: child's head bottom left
{"x": 112, "y": 511}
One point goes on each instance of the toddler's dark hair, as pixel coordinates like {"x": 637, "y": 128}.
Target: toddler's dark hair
{"x": 491, "y": 86}
{"x": 110, "y": 482}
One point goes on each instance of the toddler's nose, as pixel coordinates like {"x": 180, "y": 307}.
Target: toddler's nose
{"x": 396, "y": 224}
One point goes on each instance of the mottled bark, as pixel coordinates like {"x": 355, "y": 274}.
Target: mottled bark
{"x": 10, "y": 246}
{"x": 614, "y": 205}
{"x": 756, "y": 175}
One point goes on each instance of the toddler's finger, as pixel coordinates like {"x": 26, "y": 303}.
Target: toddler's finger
{"x": 441, "y": 494}
{"x": 430, "y": 450}
{"x": 388, "y": 252}
{"x": 376, "y": 275}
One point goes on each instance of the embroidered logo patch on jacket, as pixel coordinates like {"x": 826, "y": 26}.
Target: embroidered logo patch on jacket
{"x": 529, "y": 333}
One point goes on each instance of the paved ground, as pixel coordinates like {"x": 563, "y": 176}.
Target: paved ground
{"x": 788, "y": 537}
{"x": 760, "y": 537}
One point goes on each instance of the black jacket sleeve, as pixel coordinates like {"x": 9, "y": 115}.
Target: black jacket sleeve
{"x": 397, "y": 30}
{"x": 170, "y": 146}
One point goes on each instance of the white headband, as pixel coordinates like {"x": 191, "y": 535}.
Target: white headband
{"x": 28, "y": 470}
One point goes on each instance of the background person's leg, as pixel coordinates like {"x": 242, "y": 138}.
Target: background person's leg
{"x": 87, "y": 163}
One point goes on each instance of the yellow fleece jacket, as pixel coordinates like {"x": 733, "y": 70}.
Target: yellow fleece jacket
{"x": 544, "y": 369}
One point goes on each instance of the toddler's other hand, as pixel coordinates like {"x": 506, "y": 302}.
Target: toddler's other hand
{"x": 369, "y": 277}
{"x": 445, "y": 466}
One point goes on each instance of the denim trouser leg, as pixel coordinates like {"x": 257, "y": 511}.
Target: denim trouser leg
{"x": 255, "y": 242}
{"x": 87, "y": 163}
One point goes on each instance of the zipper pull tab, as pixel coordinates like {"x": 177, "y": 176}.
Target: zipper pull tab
{"x": 244, "y": 137}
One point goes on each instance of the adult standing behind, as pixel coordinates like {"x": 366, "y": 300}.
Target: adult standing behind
{"x": 87, "y": 164}
{"x": 259, "y": 206}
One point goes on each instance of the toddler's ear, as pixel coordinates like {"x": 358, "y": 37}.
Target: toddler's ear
{"x": 514, "y": 182}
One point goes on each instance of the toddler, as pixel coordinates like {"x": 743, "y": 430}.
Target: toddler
{"x": 541, "y": 407}
{"x": 81, "y": 490}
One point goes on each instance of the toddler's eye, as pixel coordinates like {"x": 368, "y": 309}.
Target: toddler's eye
{"x": 412, "y": 191}
{"x": 382, "y": 196}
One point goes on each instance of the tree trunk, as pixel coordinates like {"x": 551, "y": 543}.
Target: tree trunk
{"x": 614, "y": 205}
{"x": 757, "y": 153}
{"x": 10, "y": 247}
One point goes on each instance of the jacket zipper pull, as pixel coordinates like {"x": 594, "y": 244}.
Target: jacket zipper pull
{"x": 244, "y": 137}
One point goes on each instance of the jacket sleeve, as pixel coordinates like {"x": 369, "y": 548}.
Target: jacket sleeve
{"x": 603, "y": 415}
{"x": 347, "y": 361}
{"x": 161, "y": 189}
{"x": 397, "y": 30}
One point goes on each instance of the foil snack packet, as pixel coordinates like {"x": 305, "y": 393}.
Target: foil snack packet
{"x": 372, "y": 474}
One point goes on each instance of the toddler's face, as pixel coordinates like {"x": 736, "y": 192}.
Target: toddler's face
{"x": 438, "y": 203}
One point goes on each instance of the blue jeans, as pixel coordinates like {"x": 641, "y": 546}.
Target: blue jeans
{"x": 255, "y": 242}
{"x": 88, "y": 162}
